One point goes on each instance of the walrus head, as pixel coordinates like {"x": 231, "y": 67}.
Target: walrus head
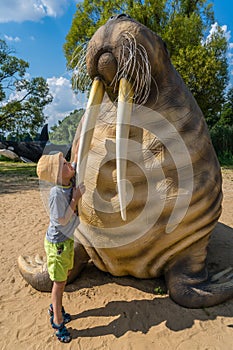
{"x": 124, "y": 48}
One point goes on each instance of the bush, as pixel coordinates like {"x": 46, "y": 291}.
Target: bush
{"x": 222, "y": 139}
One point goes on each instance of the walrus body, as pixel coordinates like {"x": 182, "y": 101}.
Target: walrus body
{"x": 156, "y": 215}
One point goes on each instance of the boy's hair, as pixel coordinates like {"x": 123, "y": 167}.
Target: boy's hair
{"x": 49, "y": 167}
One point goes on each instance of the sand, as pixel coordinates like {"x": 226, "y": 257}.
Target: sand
{"x": 108, "y": 312}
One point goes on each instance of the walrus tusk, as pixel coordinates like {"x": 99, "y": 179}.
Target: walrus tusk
{"x": 92, "y": 111}
{"x": 124, "y": 109}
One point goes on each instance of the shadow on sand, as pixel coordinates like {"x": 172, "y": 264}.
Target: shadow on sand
{"x": 141, "y": 315}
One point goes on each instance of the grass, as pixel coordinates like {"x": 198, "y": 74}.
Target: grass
{"x": 18, "y": 169}
{"x": 17, "y": 176}
{"x": 159, "y": 290}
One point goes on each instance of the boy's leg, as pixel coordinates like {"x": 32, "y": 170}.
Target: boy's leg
{"x": 57, "y": 294}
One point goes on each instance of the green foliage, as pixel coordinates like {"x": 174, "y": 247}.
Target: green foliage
{"x": 159, "y": 290}
{"x": 206, "y": 78}
{"x": 183, "y": 25}
{"x": 10, "y": 66}
{"x": 182, "y": 32}
{"x": 226, "y": 159}
{"x": 222, "y": 139}
{"x": 64, "y": 132}
{"x": 226, "y": 117}
{"x": 222, "y": 132}
{"x": 23, "y": 114}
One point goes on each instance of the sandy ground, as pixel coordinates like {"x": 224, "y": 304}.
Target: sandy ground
{"x": 108, "y": 312}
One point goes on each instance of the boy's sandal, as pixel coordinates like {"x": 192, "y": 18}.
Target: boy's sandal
{"x": 65, "y": 315}
{"x": 62, "y": 333}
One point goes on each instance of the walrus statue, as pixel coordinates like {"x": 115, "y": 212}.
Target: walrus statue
{"x": 153, "y": 182}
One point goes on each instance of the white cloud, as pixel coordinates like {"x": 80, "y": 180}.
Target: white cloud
{"x": 227, "y": 33}
{"x": 64, "y": 100}
{"x": 31, "y": 10}
{"x": 10, "y": 38}
{"x": 214, "y": 29}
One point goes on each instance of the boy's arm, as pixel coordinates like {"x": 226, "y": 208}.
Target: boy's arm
{"x": 77, "y": 194}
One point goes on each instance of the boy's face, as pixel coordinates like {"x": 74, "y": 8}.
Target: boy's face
{"x": 67, "y": 170}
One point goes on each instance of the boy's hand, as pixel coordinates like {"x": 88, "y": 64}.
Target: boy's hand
{"x": 78, "y": 192}
{"x": 81, "y": 188}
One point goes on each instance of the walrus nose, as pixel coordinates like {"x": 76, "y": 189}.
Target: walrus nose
{"x": 107, "y": 67}
{"x": 121, "y": 15}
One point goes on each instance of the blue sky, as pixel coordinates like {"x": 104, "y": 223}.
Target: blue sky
{"x": 36, "y": 30}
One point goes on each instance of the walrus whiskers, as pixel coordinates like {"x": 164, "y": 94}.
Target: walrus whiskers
{"x": 133, "y": 58}
{"x": 146, "y": 72}
{"x": 80, "y": 78}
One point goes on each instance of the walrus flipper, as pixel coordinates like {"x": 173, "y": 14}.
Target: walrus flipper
{"x": 190, "y": 285}
{"x": 34, "y": 270}
{"x": 35, "y": 273}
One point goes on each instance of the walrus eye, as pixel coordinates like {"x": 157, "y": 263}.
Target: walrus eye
{"x": 122, "y": 15}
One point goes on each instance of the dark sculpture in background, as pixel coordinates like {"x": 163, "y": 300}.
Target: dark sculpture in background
{"x": 31, "y": 151}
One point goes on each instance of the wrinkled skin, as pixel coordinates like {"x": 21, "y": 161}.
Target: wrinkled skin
{"x": 170, "y": 235}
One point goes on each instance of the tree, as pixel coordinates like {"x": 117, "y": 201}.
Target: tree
{"x": 207, "y": 75}
{"x": 22, "y": 114}
{"x": 183, "y": 25}
{"x": 226, "y": 117}
{"x": 64, "y": 132}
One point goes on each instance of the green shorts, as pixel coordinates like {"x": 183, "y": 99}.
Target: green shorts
{"x": 60, "y": 259}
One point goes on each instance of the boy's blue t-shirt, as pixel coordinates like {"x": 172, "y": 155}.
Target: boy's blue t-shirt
{"x": 59, "y": 201}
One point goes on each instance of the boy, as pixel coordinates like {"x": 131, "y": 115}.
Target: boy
{"x": 59, "y": 243}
